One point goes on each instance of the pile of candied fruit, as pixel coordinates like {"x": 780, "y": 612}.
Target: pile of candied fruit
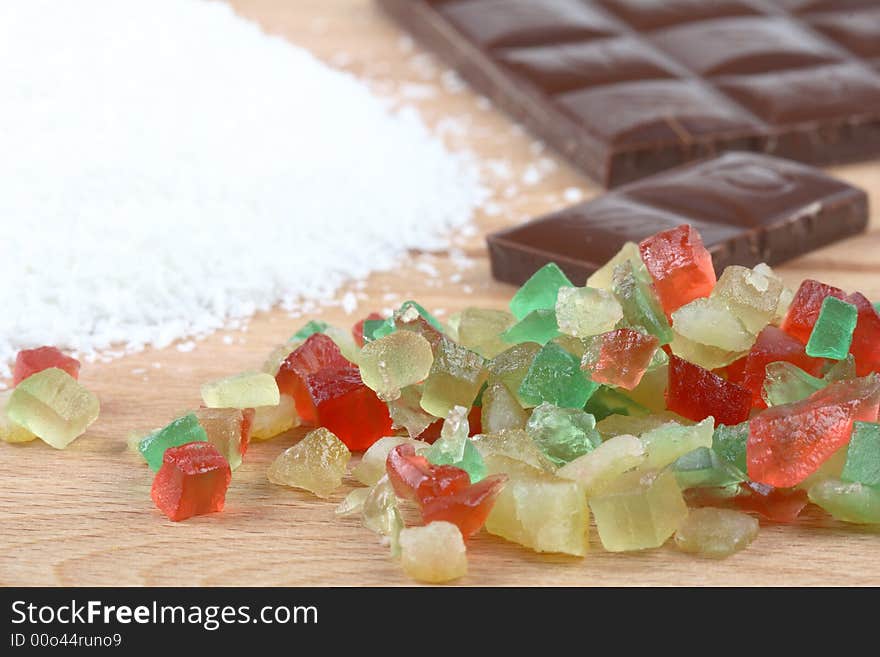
{"x": 659, "y": 399}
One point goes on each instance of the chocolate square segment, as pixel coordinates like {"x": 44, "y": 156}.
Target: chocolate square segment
{"x": 653, "y": 14}
{"x": 857, "y": 31}
{"x": 748, "y": 208}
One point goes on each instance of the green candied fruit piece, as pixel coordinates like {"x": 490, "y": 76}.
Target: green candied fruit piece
{"x": 703, "y": 468}
{"x": 455, "y": 379}
{"x": 453, "y": 447}
{"x": 707, "y": 321}
{"x": 394, "y": 362}
{"x": 563, "y": 434}
{"x": 602, "y": 278}
{"x": 555, "y": 376}
{"x": 501, "y": 410}
{"x": 510, "y": 367}
{"x": 381, "y": 513}
{"x": 639, "y": 302}
{"x": 245, "y": 390}
{"x": 480, "y": 330}
{"x": 729, "y": 443}
{"x": 309, "y": 329}
{"x": 863, "y": 455}
{"x": 715, "y": 533}
{"x": 540, "y": 291}
{"x": 785, "y": 383}
{"x": 538, "y": 326}
{"x": 639, "y": 510}
{"x": 876, "y": 305}
{"x": 53, "y": 406}
{"x": 584, "y": 311}
{"x": 595, "y": 470}
{"x": 607, "y": 401}
{"x": 186, "y": 429}
{"x": 832, "y": 334}
{"x": 377, "y": 328}
{"x": 751, "y": 294}
{"x": 668, "y": 442}
{"x": 849, "y": 501}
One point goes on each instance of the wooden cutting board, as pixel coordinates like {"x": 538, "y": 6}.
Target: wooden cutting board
{"x": 84, "y": 516}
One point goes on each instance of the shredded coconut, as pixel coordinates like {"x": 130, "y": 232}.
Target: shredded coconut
{"x": 168, "y": 168}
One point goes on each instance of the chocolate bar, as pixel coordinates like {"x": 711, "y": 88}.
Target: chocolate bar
{"x": 626, "y": 88}
{"x": 748, "y": 207}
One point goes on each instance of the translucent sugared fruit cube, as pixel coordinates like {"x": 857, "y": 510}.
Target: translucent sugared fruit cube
{"x": 467, "y": 508}
{"x": 229, "y": 430}
{"x": 641, "y": 307}
{"x": 407, "y": 413}
{"x": 192, "y": 481}
{"x": 788, "y": 443}
{"x": 316, "y": 463}
{"x": 849, "y": 501}
{"x": 348, "y": 408}
{"x": 610, "y": 401}
{"x": 317, "y": 353}
{"x": 395, "y": 361}
{"x": 832, "y": 333}
{"x": 539, "y": 292}
{"x": 715, "y": 533}
{"x": 539, "y": 326}
{"x": 709, "y": 357}
{"x": 585, "y": 311}
{"x": 271, "y": 421}
{"x": 595, "y": 470}
{"x": 805, "y": 308}
{"x": 555, "y": 376}
{"x": 601, "y": 279}
{"x": 709, "y": 322}
{"x": 514, "y": 444}
{"x": 480, "y": 329}
{"x": 670, "y": 441}
{"x": 183, "y": 430}
{"x": 31, "y": 361}
{"x": 456, "y": 377}
{"x": 697, "y": 393}
{"x": 454, "y": 448}
{"x": 543, "y": 513}
{"x": 501, "y": 410}
{"x": 414, "y": 478}
{"x": 703, "y": 468}
{"x": 245, "y": 390}
{"x": 381, "y": 513}
{"x": 371, "y": 467}
{"x": 510, "y": 367}
{"x": 863, "y": 455}
{"x": 563, "y": 434}
{"x": 619, "y": 358}
{"x": 751, "y": 294}
{"x": 10, "y": 432}
{"x": 53, "y": 406}
{"x": 638, "y": 510}
{"x": 434, "y": 553}
{"x": 636, "y": 425}
{"x": 865, "y": 346}
{"x": 786, "y": 383}
{"x": 680, "y": 266}
{"x": 729, "y": 443}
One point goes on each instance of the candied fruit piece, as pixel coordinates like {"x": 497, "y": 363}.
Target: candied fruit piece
{"x": 863, "y": 455}
{"x": 618, "y": 425}
{"x": 52, "y": 405}
{"x": 563, "y": 434}
{"x": 480, "y": 330}
{"x": 395, "y": 361}
{"x": 357, "y": 331}
{"x": 501, "y": 410}
{"x": 715, "y": 533}
{"x": 638, "y": 510}
{"x": 555, "y": 376}
{"x": 782, "y": 505}
{"x": 751, "y": 294}
{"x": 317, "y": 353}
{"x": 514, "y": 444}
{"x": 309, "y": 329}
{"x": 540, "y": 291}
{"x": 456, "y": 378}
{"x": 672, "y": 440}
{"x": 596, "y": 469}
{"x": 640, "y": 305}
{"x": 787, "y": 443}
{"x": 865, "y": 345}
{"x": 183, "y": 430}
{"x": 601, "y": 279}
{"x": 608, "y": 401}
{"x": 709, "y": 322}
{"x": 539, "y": 326}
{"x": 619, "y": 358}
{"x": 454, "y": 448}
{"x": 833, "y": 331}
{"x": 711, "y": 358}
{"x": 510, "y": 367}
{"x": 229, "y": 430}
{"x": 697, "y": 393}
{"x": 406, "y": 412}
{"x": 372, "y": 465}
{"x": 729, "y": 442}
{"x": 770, "y": 346}
{"x": 271, "y": 421}
{"x": 10, "y": 432}
{"x": 31, "y": 361}
{"x": 703, "y": 468}
{"x": 649, "y": 392}
{"x": 585, "y": 311}
{"x": 434, "y": 553}
{"x": 680, "y": 266}
{"x": 849, "y": 501}
{"x": 245, "y": 390}
{"x": 805, "y": 308}
{"x": 353, "y": 504}
{"x": 467, "y": 508}
{"x": 381, "y": 513}
{"x": 316, "y": 463}
{"x": 786, "y": 383}
{"x": 414, "y": 478}
{"x": 192, "y": 481}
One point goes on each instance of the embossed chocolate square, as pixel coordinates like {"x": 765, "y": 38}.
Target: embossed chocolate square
{"x": 748, "y": 208}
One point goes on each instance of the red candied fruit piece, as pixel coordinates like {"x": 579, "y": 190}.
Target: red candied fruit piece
{"x": 622, "y": 358}
{"x": 774, "y": 504}
{"x": 348, "y": 408}
{"x": 805, "y": 306}
{"x": 192, "y": 481}
{"x": 357, "y": 331}
{"x": 865, "y": 346}
{"x": 772, "y": 345}
{"x": 475, "y": 421}
{"x": 431, "y": 432}
{"x": 247, "y": 423}
{"x": 696, "y": 393}
{"x": 736, "y": 370}
{"x": 317, "y": 353}
{"x": 680, "y": 266}
{"x": 414, "y": 478}
{"x": 30, "y": 361}
{"x": 467, "y": 508}
{"x": 788, "y": 443}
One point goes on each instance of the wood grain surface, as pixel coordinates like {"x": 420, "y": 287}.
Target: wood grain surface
{"x": 84, "y": 516}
